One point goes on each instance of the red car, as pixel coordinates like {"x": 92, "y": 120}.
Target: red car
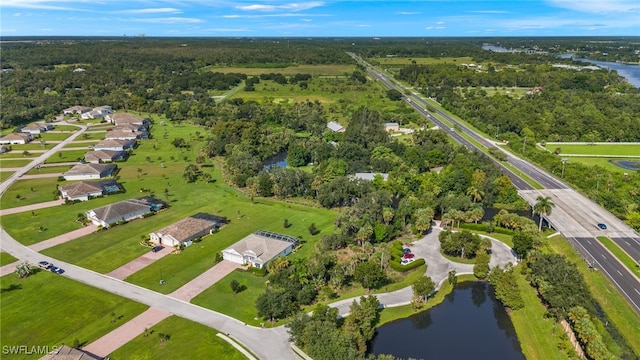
{"x": 408, "y": 256}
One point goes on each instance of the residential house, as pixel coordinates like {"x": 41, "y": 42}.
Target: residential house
{"x": 90, "y": 171}
{"x": 186, "y": 230}
{"x": 370, "y": 176}
{"x": 36, "y": 128}
{"x": 97, "y": 112}
{"x": 391, "y": 126}
{"x": 76, "y": 110}
{"x": 115, "y": 134}
{"x": 260, "y": 248}
{"x": 65, "y": 352}
{"x": 16, "y": 139}
{"x": 105, "y": 156}
{"x": 125, "y": 118}
{"x": 125, "y": 210}
{"x": 84, "y": 190}
{"x": 335, "y": 127}
{"x": 115, "y": 145}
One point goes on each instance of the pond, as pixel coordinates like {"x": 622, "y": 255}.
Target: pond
{"x": 469, "y": 324}
{"x": 277, "y": 160}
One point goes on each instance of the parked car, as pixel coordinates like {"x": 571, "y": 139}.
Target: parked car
{"x": 408, "y": 256}
{"x": 407, "y": 261}
{"x": 602, "y": 226}
{"x": 43, "y": 264}
{"x": 56, "y": 270}
{"x": 157, "y": 248}
{"x": 406, "y": 250}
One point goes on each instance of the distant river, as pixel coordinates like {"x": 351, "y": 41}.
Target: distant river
{"x": 469, "y": 324}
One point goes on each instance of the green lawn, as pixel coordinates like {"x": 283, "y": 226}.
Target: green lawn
{"x": 540, "y": 338}
{"x": 29, "y": 191}
{"x": 620, "y": 255}
{"x": 597, "y": 149}
{"x": 92, "y": 135}
{"x": 592, "y": 161}
{"x": 5, "y": 174}
{"x": 46, "y": 309}
{"x": 65, "y": 128}
{"x": 241, "y": 306}
{"x": 80, "y": 145}
{"x": 618, "y": 310}
{"x": 33, "y": 145}
{"x": 53, "y": 136}
{"x": 188, "y": 340}
{"x": 6, "y": 258}
{"x": 66, "y": 156}
{"x": 17, "y": 154}
{"x": 7, "y": 163}
{"x": 49, "y": 170}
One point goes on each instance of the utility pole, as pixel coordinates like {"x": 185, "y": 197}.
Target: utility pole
{"x": 564, "y": 161}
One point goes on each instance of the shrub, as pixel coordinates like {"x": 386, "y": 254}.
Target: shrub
{"x": 395, "y": 265}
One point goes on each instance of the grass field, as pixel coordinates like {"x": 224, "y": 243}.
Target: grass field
{"x": 618, "y": 311}
{"x": 53, "y": 136}
{"x": 66, "y": 156}
{"x": 18, "y": 154}
{"x": 5, "y": 174}
{"x": 49, "y": 170}
{"x": 81, "y": 145}
{"x": 620, "y": 255}
{"x": 187, "y": 337}
{"x": 8, "y": 163}
{"x": 593, "y": 161}
{"x": 290, "y": 70}
{"x": 422, "y": 61}
{"x": 29, "y": 191}
{"x": 46, "y": 309}
{"x": 6, "y": 258}
{"x": 65, "y": 128}
{"x": 33, "y": 145}
{"x": 92, "y": 135}
{"x": 597, "y": 149}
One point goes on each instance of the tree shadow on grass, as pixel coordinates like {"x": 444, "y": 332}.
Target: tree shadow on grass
{"x": 11, "y": 287}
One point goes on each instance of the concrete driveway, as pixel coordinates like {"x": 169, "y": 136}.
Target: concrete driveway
{"x": 139, "y": 263}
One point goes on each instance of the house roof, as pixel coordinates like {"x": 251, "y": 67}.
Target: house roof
{"x": 78, "y": 108}
{"x": 370, "y": 176}
{"x": 87, "y": 187}
{"x": 122, "y": 208}
{"x": 90, "y": 169}
{"x": 187, "y": 228}
{"x": 334, "y": 126}
{"x": 263, "y": 247}
{"x": 125, "y": 118}
{"x": 114, "y": 142}
{"x": 122, "y": 134}
{"x": 35, "y": 126}
{"x": 103, "y": 155}
{"x": 68, "y": 353}
{"x": 128, "y": 127}
{"x": 391, "y": 124}
{"x": 16, "y": 136}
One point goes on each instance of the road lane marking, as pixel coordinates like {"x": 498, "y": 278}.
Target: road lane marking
{"x": 619, "y": 272}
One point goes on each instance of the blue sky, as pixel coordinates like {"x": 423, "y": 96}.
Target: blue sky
{"x": 320, "y": 18}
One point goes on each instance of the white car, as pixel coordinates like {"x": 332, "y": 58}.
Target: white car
{"x": 407, "y": 261}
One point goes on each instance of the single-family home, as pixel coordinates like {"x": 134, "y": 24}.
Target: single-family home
{"x": 76, "y": 110}
{"x": 130, "y": 128}
{"x": 115, "y": 145}
{"x": 126, "y": 118}
{"x": 36, "y": 128}
{"x": 16, "y": 139}
{"x": 260, "y": 248}
{"x": 97, "y": 112}
{"x": 84, "y": 190}
{"x": 391, "y": 126}
{"x": 370, "y": 176}
{"x": 186, "y": 230}
{"x": 90, "y": 171}
{"x": 65, "y": 352}
{"x": 123, "y": 135}
{"x": 335, "y": 127}
{"x": 105, "y": 156}
{"x": 125, "y": 210}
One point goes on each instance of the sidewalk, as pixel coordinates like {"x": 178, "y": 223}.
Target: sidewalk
{"x": 139, "y": 263}
{"x": 9, "y": 268}
{"x": 31, "y": 207}
{"x": 61, "y": 239}
{"x": 126, "y": 332}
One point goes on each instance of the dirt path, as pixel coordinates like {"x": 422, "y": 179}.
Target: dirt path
{"x": 125, "y": 333}
{"x": 205, "y": 280}
{"x": 139, "y": 263}
{"x": 61, "y": 239}
{"x": 31, "y": 207}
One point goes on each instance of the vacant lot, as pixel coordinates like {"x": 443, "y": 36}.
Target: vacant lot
{"x": 30, "y": 191}
{"x": 67, "y": 156}
{"x": 48, "y": 310}
{"x": 187, "y": 340}
{"x": 597, "y": 149}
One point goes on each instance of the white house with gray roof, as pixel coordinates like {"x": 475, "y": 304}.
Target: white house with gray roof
{"x": 90, "y": 171}
{"x": 125, "y": 210}
{"x": 259, "y": 248}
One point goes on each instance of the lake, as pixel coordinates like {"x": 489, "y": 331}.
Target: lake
{"x": 277, "y": 160}
{"x": 469, "y": 324}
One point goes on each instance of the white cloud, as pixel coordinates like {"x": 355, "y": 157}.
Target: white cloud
{"x": 440, "y": 23}
{"x": 152, "y": 11}
{"x": 597, "y": 6}
{"x": 441, "y": 27}
{"x": 429, "y": 28}
{"x": 256, "y": 16}
{"x": 43, "y": 4}
{"x": 408, "y": 13}
{"x": 169, "y": 20}
{"x": 288, "y": 7}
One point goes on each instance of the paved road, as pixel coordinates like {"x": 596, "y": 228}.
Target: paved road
{"x": 574, "y": 215}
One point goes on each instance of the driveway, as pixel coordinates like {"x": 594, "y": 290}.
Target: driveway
{"x": 205, "y": 280}
{"x": 61, "y": 239}
{"x": 139, "y": 263}
{"x": 31, "y": 207}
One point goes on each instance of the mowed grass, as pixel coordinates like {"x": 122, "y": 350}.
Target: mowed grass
{"x": 29, "y": 191}
{"x": 81, "y": 145}
{"x": 541, "y": 338}
{"x": 67, "y": 156}
{"x": 49, "y": 170}
{"x": 8, "y": 163}
{"x": 290, "y": 70}
{"x": 618, "y": 310}
{"x": 66, "y": 128}
{"x": 597, "y": 149}
{"x": 241, "y": 306}
{"x": 188, "y": 340}
{"x": 33, "y": 145}
{"x": 5, "y": 174}
{"x": 46, "y": 309}
{"x": 53, "y": 136}
{"x": 620, "y": 255}
{"x": 593, "y": 161}
{"x": 6, "y": 258}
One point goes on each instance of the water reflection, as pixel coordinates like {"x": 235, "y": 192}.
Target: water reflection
{"x": 469, "y": 324}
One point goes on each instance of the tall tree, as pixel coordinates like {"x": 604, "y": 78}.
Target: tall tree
{"x": 543, "y": 207}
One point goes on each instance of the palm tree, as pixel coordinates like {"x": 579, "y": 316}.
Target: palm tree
{"x": 23, "y": 270}
{"x": 475, "y": 193}
{"x": 543, "y": 207}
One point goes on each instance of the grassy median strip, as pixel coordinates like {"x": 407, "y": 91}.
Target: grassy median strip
{"x": 187, "y": 339}
{"x": 618, "y": 310}
{"x": 6, "y": 258}
{"x": 620, "y": 255}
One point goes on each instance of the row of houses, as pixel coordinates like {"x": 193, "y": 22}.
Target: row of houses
{"x": 26, "y": 134}
{"x": 337, "y": 128}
